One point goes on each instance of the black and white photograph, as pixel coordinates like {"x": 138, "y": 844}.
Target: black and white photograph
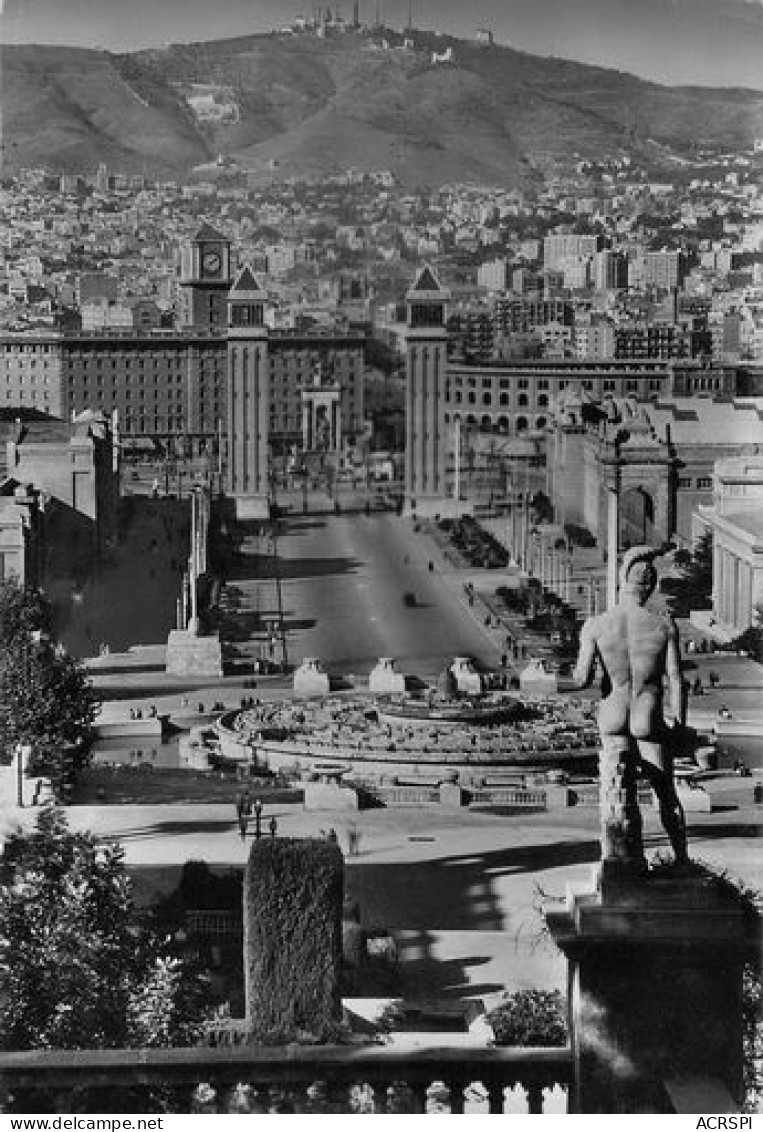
{"x": 381, "y": 560}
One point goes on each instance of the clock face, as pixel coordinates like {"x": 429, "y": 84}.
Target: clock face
{"x": 211, "y": 263}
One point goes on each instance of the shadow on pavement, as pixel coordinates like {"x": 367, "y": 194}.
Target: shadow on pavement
{"x": 723, "y": 830}
{"x": 453, "y": 893}
{"x": 290, "y": 569}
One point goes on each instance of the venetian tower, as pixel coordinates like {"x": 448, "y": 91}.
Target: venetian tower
{"x": 426, "y": 374}
{"x": 248, "y": 397}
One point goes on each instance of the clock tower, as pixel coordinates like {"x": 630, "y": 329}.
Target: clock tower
{"x": 205, "y": 278}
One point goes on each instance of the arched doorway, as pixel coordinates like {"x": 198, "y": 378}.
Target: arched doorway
{"x": 636, "y": 518}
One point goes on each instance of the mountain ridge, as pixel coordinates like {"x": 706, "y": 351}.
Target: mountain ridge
{"x": 283, "y": 105}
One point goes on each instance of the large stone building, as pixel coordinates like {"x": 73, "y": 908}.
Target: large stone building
{"x": 58, "y": 494}
{"x": 657, "y": 458}
{"x": 447, "y": 398}
{"x": 735, "y": 519}
{"x": 170, "y": 389}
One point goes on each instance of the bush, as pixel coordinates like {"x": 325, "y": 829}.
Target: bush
{"x": 530, "y": 1018}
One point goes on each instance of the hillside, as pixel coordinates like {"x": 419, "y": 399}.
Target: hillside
{"x": 288, "y": 105}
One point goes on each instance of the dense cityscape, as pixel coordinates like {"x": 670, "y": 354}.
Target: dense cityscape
{"x": 320, "y": 498}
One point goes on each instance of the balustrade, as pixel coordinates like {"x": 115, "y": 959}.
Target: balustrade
{"x": 235, "y": 1078}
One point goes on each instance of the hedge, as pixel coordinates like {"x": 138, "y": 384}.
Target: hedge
{"x": 293, "y": 894}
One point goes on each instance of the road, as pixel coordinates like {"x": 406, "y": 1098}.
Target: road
{"x": 343, "y": 581}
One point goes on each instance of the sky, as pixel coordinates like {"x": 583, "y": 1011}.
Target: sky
{"x": 702, "y": 42}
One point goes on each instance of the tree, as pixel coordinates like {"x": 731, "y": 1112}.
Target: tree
{"x": 751, "y": 640}
{"x": 46, "y": 701}
{"x": 22, "y": 612}
{"x": 699, "y": 575}
{"x": 77, "y": 969}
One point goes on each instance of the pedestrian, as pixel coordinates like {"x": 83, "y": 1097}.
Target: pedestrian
{"x": 243, "y": 824}
{"x": 273, "y": 826}
{"x": 332, "y": 836}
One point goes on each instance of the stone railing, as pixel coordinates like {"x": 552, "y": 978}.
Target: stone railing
{"x": 503, "y": 796}
{"x": 588, "y": 795}
{"x": 405, "y": 795}
{"x": 213, "y": 922}
{"x": 338, "y": 1079}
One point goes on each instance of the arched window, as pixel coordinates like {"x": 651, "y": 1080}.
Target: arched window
{"x": 521, "y": 424}
{"x": 487, "y": 421}
{"x": 540, "y": 422}
{"x": 503, "y": 424}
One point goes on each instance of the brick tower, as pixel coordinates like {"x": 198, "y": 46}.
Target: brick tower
{"x": 248, "y": 397}
{"x": 426, "y": 374}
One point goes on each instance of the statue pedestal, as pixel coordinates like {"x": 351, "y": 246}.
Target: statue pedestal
{"x": 467, "y": 678}
{"x": 654, "y": 987}
{"x": 192, "y": 655}
{"x": 251, "y": 507}
{"x": 311, "y": 679}
{"x": 384, "y": 679}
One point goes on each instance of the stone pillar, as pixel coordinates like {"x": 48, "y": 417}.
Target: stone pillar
{"x": 655, "y": 990}
{"x": 613, "y": 537}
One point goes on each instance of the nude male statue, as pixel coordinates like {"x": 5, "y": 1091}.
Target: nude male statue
{"x": 636, "y": 648}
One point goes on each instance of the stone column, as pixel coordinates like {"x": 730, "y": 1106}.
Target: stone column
{"x": 622, "y": 849}
{"x": 613, "y": 537}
